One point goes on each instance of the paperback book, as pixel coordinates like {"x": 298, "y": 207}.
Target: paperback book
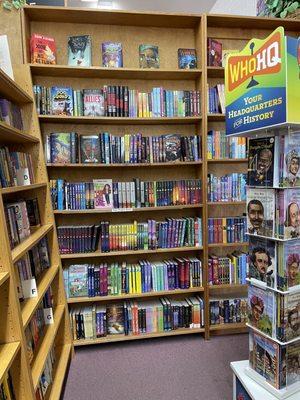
{"x": 262, "y": 260}
{"x": 148, "y": 56}
{"x": 103, "y": 193}
{"x": 89, "y": 149}
{"x": 288, "y": 323}
{"x": 61, "y": 101}
{"x": 79, "y": 51}
{"x": 288, "y": 213}
{"x": 288, "y": 275}
{"x": 214, "y": 53}
{"x": 93, "y": 102}
{"x": 187, "y": 59}
{"x": 262, "y": 309}
{"x": 261, "y": 162}
{"x": 261, "y": 211}
{"x": 290, "y": 160}
{"x": 112, "y": 55}
{"x": 42, "y": 49}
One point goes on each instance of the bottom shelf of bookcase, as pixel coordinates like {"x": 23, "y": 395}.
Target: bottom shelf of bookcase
{"x": 60, "y": 372}
{"x": 121, "y": 338}
{"x": 240, "y": 327}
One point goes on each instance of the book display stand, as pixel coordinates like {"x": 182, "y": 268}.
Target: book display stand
{"x": 273, "y": 222}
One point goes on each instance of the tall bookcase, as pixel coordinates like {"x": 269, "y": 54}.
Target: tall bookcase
{"x": 169, "y": 32}
{"x": 15, "y": 316}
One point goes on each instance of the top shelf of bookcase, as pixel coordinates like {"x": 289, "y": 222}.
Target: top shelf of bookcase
{"x": 109, "y": 17}
{"x": 114, "y": 73}
{"x": 10, "y": 90}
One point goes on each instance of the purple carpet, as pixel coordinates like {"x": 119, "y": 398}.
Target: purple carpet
{"x": 175, "y": 368}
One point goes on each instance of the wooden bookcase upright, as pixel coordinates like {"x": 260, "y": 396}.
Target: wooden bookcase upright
{"x": 15, "y": 316}
{"x": 169, "y": 32}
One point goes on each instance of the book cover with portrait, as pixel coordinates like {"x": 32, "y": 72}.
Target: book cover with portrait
{"x": 261, "y": 162}
{"x": 262, "y": 260}
{"x": 290, "y": 160}
{"x": 288, "y": 268}
{"x": 288, "y": 213}
{"x": 261, "y": 309}
{"x": 260, "y": 211}
{"x": 103, "y": 198}
{"x": 289, "y": 324}
{"x": 293, "y": 363}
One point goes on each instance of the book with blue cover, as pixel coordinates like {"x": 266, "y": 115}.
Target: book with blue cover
{"x": 78, "y": 284}
{"x": 60, "y": 148}
{"x": 61, "y": 100}
{"x": 112, "y": 55}
{"x": 187, "y": 59}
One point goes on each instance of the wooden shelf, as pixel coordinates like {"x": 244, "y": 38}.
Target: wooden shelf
{"x": 29, "y": 242}
{"x": 228, "y": 160}
{"x": 9, "y": 134}
{"x": 215, "y": 72}
{"x": 231, "y": 286}
{"x": 141, "y": 165}
{"x": 117, "y": 120}
{"x": 226, "y": 203}
{"x": 111, "y": 17}
{"x": 114, "y": 73}
{"x": 129, "y": 252}
{"x": 223, "y": 327}
{"x": 75, "y": 300}
{"x": 122, "y": 338}
{"x": 212, "y": 245}
{"x": 60, "y": 372}
{"x": 30, "y": 305}
{"x": 45, "y": 346}
{"x": 3, "y": 277}
{"x": 16, "y": 189}
{"x": 10, "y": 90}
{"x": 216, "y": 117}
{"x": 8, "y": 353}
{"x": 142, "y": 209}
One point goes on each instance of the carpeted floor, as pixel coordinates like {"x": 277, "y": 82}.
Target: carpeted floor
{"x": 175, "y": 368}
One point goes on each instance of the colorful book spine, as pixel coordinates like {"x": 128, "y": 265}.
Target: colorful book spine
{"x": 221, "y": 147}
{"x": 228, "y": 270}
{"x": 227, "y": 188}
{"x": 227, "y": 230}
{"x": 228, "y": 311}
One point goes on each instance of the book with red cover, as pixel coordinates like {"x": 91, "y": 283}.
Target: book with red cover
{"x": 42, "y": 49}
{"x": 214, "y": 53}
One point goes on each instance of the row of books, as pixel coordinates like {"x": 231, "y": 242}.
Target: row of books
{"x": 228, "y": 270}
{"x": 46, "y": 377}
{"x": 227, "y": 311}
{"x": 274, "y": 161}
{"x": 88, "y": 280}
{"x": 220, "y": 146}
{"x": 106, "y": 237}
{"x": 6, "y": 388}
{"x": 16, "y": 168}
{"x": 117, "y": 101}
{"x": 273, "y": 313}
{"x": 230, "y": 187}
{"x": 43, "y": 51}
{"x": 30, "y": 267}
{"x": 274, "y": 212}
{"x": 216, "y": 99}
{"x": 35, "y": 329}
{"x": 274, "y": 264}
{"x": 105, "y": 194}
{"x": 137, "y": 317}
{"x": 227, "y": 230}
{"x": 279, "y": 365}
{"x": 21, "y": 217}
{"x": 10, "y": 113}
{"x": 105, "y": 148}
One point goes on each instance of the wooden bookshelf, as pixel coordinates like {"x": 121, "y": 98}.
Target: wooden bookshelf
{"x": 141, "y": 165}
{"x": 228, "y": 160}
{"x": 229, "y": 327}
{"x": 15, "y": 316}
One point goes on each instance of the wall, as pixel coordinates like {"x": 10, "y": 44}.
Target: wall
{"x": 238, "y": 7}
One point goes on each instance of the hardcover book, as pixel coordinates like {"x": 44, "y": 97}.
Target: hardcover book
{"x": 261, "y": 162}
{"x": 261, "y": 211}
{"x": 214, "y": 53}
{"x": 261, "y": 309}
{"x": 187, "y": 59}
{"x": 288, "y": 274}
{"x": 262, "y": 260}
{"x": 148, "y": 56}
{"x": 89, "y": 149}
{"x": 172, "y": 147}
{"x": 78, "y": 280}
{"x": 61, "y": 100}
{"x": 112, "y": 55}
{"x": 43, "y": 49}
{"x": 93, "y": 100}
{"x": 60, "y": 148}
{"x": 115, "y": 319}
{"x": 103, "y": 193}
{"x": 79, "y": 51}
